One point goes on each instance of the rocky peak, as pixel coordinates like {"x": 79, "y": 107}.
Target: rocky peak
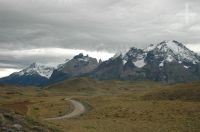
{"x": 134, "y": 53}
{"x": 36, "y": 69}
{"x": 80, "y": 64}
{"x": 79, "y": 56}
{"x": 100, "y": 61}
{"x": 173, "y": 45}
{"x": 33, "y": 65}
{"x": 173, "y": 51}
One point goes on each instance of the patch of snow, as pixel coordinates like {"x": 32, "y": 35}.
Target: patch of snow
{"x": 180, "y": 62}
{"x": 150, "y": 48}
{"x": 159, "y": 47}
{"x": 124, "y": 61}
{"x": 194, "y": 62}
{"x": 83, "y": 59}
{"x": 169, "y": 58}
{"x": 173, "y": 46}
{"x": 21, "y": 73}
{"x": 44, "y": 71}
{"x": 161, "y": 64}
{"x": 186, "y": 67}
{"x": 139, "y": 63}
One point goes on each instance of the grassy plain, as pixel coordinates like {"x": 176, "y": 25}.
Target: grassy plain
{"x": 113, "y": 106}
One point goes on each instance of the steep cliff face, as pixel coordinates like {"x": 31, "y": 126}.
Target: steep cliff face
{"x": 77, "y": 66}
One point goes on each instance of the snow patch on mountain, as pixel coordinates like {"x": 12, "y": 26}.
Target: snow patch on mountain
{"x": 124, "y": 61}
{"x": 150, "y": 48}
{"x": 139, "y": 63}
{"x": 161, "y": 64}
{"x": 186, "y": 67}
{"x": 36, "y": 69}
{"x": 169, "y": 58}
{"x": 86, "y": 59}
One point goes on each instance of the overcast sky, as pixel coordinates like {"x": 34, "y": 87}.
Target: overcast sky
{"x": 50, "y": 31}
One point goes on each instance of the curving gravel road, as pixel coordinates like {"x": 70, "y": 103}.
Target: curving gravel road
{"x": 79, "y": 109}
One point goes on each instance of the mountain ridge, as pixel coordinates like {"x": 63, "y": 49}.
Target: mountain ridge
{"x": 166, "y": 62}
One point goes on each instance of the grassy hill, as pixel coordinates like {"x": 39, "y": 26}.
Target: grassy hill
{"x": 185, "y": 92}
{"x": 92, "y": 86}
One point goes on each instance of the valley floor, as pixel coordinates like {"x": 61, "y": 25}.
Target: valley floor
{"x": 159, "y": 109}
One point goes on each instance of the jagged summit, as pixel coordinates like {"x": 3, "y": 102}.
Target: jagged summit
{"x": 78, "y": 65}
{"x": 136, "y": 56}
{"x": 173, "y": 51}
{"x": 81, "y": 57}
{"x": 168, "y": 62}
{"x": 33, "y": 65}
{"x": 169, "y": 50}
{"x": 36, "y": 69}
{"x": 167, "y": 44}
{"x": 78, "y": 61}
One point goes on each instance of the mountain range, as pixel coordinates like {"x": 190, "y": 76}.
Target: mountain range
{"x": 166, "y": 62}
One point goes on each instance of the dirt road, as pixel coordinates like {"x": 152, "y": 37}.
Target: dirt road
{"x": 78, "y": 109}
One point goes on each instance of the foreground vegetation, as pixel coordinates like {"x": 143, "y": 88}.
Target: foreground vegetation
{"x": 112, "y": 106}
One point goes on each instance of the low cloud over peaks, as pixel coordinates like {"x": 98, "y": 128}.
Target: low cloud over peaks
{"x": 90, "y": 25}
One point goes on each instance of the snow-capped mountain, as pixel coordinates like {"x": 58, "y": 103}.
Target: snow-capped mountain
{"x": 168, "y": 61}
{"x": 166, "y": 51}
{"x": 174, "y": 51}
{"x": 35, "y": 74}
{"x": 36, "y": 69}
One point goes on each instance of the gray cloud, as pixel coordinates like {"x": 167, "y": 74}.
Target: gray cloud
{"x": 91, "y": 25}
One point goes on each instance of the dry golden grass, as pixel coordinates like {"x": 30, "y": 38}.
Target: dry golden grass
{"x": 125, "y": 114}
{"x": 185, "y": 92}
{"x": 35, "y": 103}
{"x": 48, "y": 108}
{"x": 88, "y": 86}
{"x": 20, "y": 107}
{"x": 115, "y": 106}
